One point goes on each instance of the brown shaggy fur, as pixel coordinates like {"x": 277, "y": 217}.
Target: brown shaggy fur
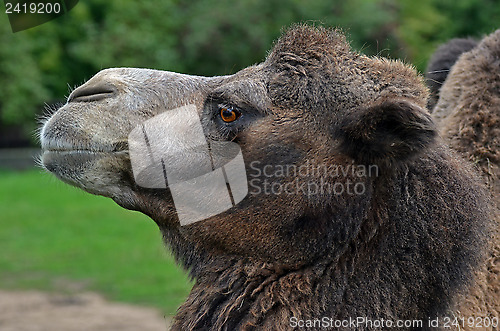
{"x": 468, "y": 114}
{"x": 404, "y": 248}
{"x": 468, "y": 111}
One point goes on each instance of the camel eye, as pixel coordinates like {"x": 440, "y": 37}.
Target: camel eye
{"x": 229, "y": 114}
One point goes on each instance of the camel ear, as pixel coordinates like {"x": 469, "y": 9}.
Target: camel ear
{"x": 388, "y": 130}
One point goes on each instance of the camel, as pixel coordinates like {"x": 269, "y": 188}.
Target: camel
{"x": 440, "y": 63}
{"x": 371, "y": 221}
{"x": 468, "y": 117}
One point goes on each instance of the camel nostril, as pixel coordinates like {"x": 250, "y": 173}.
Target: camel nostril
{"x": 92, "y": 93}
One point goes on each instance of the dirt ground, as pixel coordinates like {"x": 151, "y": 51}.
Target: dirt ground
{"x": 38, "y": 311}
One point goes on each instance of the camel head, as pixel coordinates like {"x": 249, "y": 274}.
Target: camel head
{"x": 85, "y": 142}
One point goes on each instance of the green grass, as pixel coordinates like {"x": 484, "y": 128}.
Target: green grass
{"x": 57, "y": 238}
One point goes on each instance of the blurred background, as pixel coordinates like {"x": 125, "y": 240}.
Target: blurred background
{"x": 54, "y": 237}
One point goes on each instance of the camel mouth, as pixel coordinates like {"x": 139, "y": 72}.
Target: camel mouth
{"x": 69, "y": 161}
{"x": 61, "y": 146}
{"x": 95, "y": 171}
{"x": 77, "y": 152}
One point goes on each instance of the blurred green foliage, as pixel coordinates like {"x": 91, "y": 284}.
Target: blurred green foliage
{"x": 208, "y": 37}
